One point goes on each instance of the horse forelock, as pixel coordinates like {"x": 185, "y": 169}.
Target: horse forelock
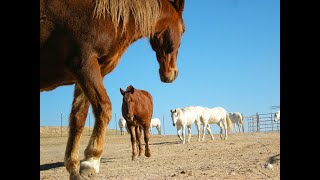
{"x": 145, "y": 13}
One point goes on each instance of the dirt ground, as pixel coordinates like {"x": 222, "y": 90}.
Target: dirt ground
{"x": 242, "y": 156}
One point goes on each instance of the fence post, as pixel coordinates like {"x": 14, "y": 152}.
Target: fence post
{"x": 248, "y": 124}
{"x": 115, "y": 118}
{"x": 271, "y": 123}
{"x": 258, "y": 126}
{"x": 164, "y": 131}
{"x": 61, "y": 124}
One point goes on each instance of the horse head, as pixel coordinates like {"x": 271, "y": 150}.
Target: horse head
{"x": 174, "y": 116}
{"x": 166, "y": 41}
{"x": 128, "y": 101}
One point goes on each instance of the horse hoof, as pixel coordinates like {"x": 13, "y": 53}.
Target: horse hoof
{"x": 88, "y": 173}
{"x": 147, "y": 154}
{"x": 134, "y": 158}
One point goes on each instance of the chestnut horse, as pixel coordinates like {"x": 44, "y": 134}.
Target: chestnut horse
{"x": 82, "y": 41}
{"x": 137, "y": 108}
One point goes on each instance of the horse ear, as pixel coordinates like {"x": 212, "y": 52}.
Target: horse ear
{"x": 130, "y": 89}
{"x": 178, "y": 4}
{"x": 122, "y": 91}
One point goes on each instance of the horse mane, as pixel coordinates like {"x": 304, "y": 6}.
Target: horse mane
{"x": 145, "y": 13}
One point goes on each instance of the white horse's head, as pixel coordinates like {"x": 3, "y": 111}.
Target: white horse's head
{"x": 276, "y": 116}
{"x": 174, "y": 115}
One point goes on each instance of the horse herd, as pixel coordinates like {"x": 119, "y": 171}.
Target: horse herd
{"x": 137, "y": 110}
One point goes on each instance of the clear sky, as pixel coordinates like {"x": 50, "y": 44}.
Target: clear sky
{"x": 229, "y": 57}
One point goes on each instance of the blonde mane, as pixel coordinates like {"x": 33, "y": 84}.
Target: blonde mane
{"x": 144, "y": 12}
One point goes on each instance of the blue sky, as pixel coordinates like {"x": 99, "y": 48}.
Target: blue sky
{"x": 229, "y": 57}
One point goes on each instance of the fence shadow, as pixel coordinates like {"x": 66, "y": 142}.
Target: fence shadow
{"x": 161, "y": 143}
{"x": 48, "y": 166}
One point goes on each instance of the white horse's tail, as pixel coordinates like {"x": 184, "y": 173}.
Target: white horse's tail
{"x": 229, "y": 123}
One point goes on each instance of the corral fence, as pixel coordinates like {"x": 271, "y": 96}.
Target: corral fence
{"x": 262, "y": 123}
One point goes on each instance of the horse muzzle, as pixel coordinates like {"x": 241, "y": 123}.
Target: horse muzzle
{"x": 168, "y": 77}
{"x": 174, "y": 124}
{"x": 130, "y": 116}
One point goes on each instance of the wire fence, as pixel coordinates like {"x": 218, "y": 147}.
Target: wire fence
{"x": 60, "y": 127}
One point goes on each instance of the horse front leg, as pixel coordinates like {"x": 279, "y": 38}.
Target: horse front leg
{"x": 179, "y": 134}
{"x": 77, "y": 118}
{"x": 146, "y": 140}
{"x": 189, "y": 133}
{"x": 91, "y": 83}
{"x": 132, "y": 132}
{"x": 184, "y": 134}
{"x": 138, "y": 136}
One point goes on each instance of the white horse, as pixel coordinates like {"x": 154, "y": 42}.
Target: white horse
{"x": 122, "y": 124}
{"x": 216, "y": 115}
{"x": 277, "y": 116}
{"x": 237, "y": 119}
{"x": 155, "y": 122}
{"x": 183, "y": 118}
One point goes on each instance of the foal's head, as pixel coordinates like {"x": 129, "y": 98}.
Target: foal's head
{"x": 166, "y": 39}
{"x": 128, "y": 101}
{"x": 174, "y": 116}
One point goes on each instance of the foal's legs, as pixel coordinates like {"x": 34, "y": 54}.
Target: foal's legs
{"x": 79, "y": 111}
{"x": 133, "y": 142}
{"x": 90, "y": 81}
{"x": 138, "y": 136}
{"x": 146, "y": 140}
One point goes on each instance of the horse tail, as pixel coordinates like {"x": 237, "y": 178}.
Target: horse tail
{"x": 229, "y": 123}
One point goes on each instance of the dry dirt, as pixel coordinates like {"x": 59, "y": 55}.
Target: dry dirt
{"x": 242, "y": 156}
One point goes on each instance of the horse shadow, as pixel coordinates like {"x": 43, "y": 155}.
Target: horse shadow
{"x": 273, "y": 159}
{"x": 45, "y": 167}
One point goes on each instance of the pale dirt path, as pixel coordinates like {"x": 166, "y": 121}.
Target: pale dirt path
{"x": 242, "y": 156}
